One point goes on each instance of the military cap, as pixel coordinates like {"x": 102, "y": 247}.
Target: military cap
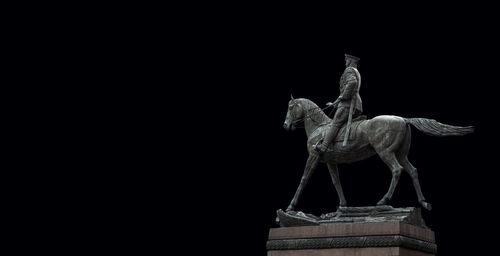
{"x": 354, "y": 58}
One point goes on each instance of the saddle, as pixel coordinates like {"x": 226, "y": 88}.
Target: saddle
{"x": 352, "y": 134}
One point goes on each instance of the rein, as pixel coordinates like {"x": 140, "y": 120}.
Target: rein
{"x": 309, "y": 115}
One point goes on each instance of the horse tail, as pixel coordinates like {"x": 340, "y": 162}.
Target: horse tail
{"x": 434, "y": 128}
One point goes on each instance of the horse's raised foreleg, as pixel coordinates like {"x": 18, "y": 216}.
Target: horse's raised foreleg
{"x": 334, "y": 172}
{"x": 311, "y": 164}
{"x": 390, "y": 160}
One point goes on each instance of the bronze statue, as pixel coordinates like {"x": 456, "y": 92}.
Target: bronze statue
{"x": 386, "y": 135}
{"x": 348, "y": 104}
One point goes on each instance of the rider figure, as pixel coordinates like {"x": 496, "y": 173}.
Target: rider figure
{"x": 348, "y": 104}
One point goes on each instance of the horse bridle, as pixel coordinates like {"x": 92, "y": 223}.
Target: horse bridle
{"x": 295, "y": 122}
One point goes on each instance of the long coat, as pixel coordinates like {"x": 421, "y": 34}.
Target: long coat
{"x": 349, "y": 89}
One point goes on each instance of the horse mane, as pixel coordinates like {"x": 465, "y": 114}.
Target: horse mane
{"x": 318, "y": 115}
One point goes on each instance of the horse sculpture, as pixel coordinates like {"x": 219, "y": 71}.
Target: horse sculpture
{"x": 387, "y": 136}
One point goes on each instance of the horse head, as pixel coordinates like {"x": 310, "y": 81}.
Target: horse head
{"x": 293, "y": 115}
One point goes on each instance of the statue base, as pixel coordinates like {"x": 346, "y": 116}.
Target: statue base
{"x": 360, "y": 231}
{"x": 410, "y": 215}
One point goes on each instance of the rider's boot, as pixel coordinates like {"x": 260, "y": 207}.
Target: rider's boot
{"x": 327, "y": 139}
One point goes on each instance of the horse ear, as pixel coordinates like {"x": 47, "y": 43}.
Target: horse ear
{"x": 291, "y": 96}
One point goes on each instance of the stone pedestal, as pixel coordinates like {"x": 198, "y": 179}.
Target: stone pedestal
{"x": 384, "y": 238}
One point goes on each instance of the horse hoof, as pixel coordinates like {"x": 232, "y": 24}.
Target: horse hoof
{"x": 382, "y": 201}
{"x": 426, "y": 205}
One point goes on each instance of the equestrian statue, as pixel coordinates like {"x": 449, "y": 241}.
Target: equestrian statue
{"x": 351, "y": 137}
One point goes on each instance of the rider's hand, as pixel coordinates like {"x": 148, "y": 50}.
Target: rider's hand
{"x": 329, "y": 104}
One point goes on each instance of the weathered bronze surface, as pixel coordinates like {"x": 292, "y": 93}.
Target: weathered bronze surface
{"x": 332, "y": 141}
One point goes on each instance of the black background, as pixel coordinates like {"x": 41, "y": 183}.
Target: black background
{"x": 250, "y": 166}
{"x": 161, "y": 127}
{"x": 242, "y": 165}
{"x": 186, "y": 147}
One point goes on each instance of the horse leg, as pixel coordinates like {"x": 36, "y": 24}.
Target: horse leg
{"x": 414, "y": 176}
{"x": 334, "y": 172}
{"x": 311, "y": 164}
{"x": 402, "y": 156}
{"x": 390, "y": 160}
